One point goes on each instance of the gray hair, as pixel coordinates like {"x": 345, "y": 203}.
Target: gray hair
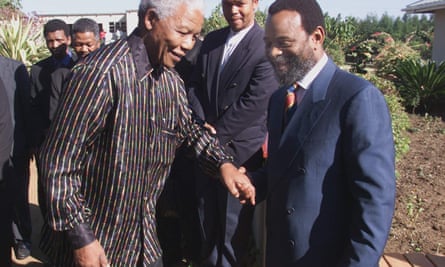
{"x": 83, "y": 25}
{"x": 165, "y": 8}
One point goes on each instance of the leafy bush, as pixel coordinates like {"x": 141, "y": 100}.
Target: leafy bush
{"x": 390, "y": 56}
{"x": 363, "y": 53}
{"x": 20, "y": 40}
{"x": 420, "y": 84}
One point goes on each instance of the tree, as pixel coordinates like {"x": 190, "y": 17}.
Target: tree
{"x": 14, "y": 4}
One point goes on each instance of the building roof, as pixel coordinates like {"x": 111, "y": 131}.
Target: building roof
{"x": 425, "y": 6}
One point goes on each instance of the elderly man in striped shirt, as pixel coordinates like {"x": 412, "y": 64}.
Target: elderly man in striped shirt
{"x": 110, "y": 149}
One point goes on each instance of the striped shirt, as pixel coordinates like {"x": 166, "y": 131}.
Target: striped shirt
{"x": 110, "y": 149}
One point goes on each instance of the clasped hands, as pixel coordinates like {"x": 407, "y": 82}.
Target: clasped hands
{"x": 238, "y": 184}
{"x": 234, "y": 179}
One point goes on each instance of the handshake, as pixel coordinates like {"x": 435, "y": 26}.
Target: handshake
{"x": 237, "y": 182}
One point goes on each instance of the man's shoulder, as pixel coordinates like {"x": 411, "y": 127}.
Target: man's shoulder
{"x": 10, "y": 62}
{"x": 44, "y": 63}
{"x": 105, "y": 57}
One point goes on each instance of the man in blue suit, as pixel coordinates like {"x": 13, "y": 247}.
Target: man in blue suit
{"x": 329, "y": 179}
{"x": 232, "y": 82}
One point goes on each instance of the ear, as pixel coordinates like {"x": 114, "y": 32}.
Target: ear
{"x": 318, "y": 35}
{"x": 150, "y": 18}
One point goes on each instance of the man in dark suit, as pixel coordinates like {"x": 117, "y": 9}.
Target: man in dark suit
{"x": 17, "y": 84}
{"x": 58, "y": 41}
{"x": 6, "y": 140}
{"x": 233, "y": 82}
{"x": 330, "y": 175}
{"x": 85, "y": 39}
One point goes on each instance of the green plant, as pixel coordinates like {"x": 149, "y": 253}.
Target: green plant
{"x": 390, "y": 56}
{"x": 420, "y": 84}
{"x": 20, "y": 40}
{"x": 215, "y": 21}
{"x": 414, "y": 207}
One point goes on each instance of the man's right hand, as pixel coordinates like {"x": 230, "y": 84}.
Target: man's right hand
{"x": 91, "y": 255}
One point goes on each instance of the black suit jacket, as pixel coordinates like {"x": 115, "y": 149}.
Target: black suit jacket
{"x": 235, "y": 100}
{"x": 16, "y": 81}
{"x": 5, "y": 131}
{"x": 41, "y": 73}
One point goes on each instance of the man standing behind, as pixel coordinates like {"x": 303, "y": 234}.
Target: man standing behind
{"x": 58, "y": 40}
{"x": 85, "y": 39}
{"x": 16, "y": 80}
{"x": 330, "y": 174}
{"x": 233, "y": 81}
{"x": 111, "y": 146}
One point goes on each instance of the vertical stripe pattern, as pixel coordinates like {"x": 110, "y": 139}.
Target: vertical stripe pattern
{"x": 109, "y": 152}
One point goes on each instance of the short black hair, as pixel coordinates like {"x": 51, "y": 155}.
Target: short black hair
{"x": 56, "y": 25}
{"x": 309, "y": 10}
{"x": 86, "y": 25}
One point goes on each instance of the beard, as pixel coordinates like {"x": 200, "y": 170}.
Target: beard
{"x": 295, "y": 67}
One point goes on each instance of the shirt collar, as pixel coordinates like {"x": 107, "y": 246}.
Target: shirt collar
{"x": 312, "y": 74}
{"x": 140, "y": 56}
{"x": 236, "y": 37}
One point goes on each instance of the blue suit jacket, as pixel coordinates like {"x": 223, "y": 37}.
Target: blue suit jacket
{"x": 234, "y": 100}
{"x": 330, "y": 178}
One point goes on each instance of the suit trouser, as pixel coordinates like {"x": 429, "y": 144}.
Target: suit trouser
{"x": 21, "y": 213}
{"x": 176, "y": 215}
{"x": 5, "y": 222}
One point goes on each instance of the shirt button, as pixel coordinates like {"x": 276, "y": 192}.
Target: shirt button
{"x": 301, "y": 170}
{"x": 291, "y": 243}
{"x": 290, "y": 211}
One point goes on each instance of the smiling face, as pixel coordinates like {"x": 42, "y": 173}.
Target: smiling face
{"x": 169, "y": 39}
{"x": 85, "y": 43}
{"x": 239, "y": 13}
{"x": 289, "y": 47}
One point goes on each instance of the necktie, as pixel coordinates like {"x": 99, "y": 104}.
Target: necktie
{"x": 290, "y": 102}
{"x": 289, "y": 107}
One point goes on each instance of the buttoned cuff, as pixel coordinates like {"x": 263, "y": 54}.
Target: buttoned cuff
{"x": 80, "y": 236}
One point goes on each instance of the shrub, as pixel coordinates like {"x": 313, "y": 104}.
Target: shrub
{"x": 390, "y": 56}
{"x": 363, "y": 53}
{"x": 420, "y": 84}
{"x": 20, "y": 40}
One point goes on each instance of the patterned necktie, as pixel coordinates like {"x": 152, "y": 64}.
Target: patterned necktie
{"x": 289, "y": 108}
{"x": 289, "y": 103}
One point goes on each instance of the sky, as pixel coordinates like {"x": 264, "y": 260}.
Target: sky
{"x": 359, "y": 8}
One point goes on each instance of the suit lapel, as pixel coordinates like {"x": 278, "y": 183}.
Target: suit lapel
{"x": 289, "y": 143}
{"x": 213, "y": 64}
{"x": 238, "y": 59}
